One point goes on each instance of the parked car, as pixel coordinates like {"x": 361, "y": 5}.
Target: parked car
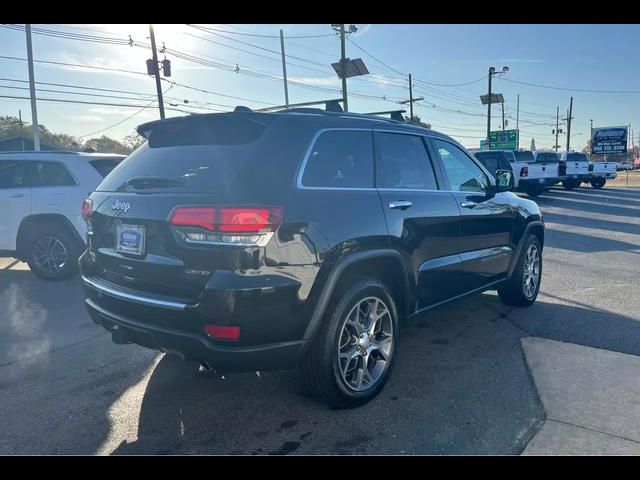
{"x": 623, "y": 166}
{"x": 600, "y": 172}
{"x": 257, "y": 241}
{"x": 554, "y": 169}
{"x": 577, "y": 169}
{"x": 494, "y": 160}
{"x": 40, "y": 195}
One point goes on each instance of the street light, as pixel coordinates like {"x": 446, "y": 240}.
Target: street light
{"x": 492, "y": 72}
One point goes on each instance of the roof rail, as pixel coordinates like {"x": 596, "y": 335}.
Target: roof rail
{"x": 393, "y": 114}
{"x": 332, "y": 105}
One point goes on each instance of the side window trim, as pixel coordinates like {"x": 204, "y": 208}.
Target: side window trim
{"x": 430, "y": 162}
{"x": 475, "y": 161}
{"x": 300, "y": 186}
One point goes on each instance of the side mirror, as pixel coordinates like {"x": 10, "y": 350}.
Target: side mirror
{"x": 504, "y": 181}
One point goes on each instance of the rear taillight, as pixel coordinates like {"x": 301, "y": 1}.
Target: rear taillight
{"x": 226, "y": 225}
{"x": 203, "y": 217}
{"x": 87, "y": 209}
{"x": 524, "y": 171}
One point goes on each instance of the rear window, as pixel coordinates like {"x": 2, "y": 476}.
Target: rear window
{"x": 524, "y": 156}
{"x": 105, "y": 165}
{"x": 577, "y": 157}
{"x": 493, "y": 161}
{"x": 196, "y": 155}
{"x": 546, "y": 157}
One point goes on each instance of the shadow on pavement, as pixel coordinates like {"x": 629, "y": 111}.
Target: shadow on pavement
{"x": 584, "y": 243}
{"x": 460, "y": 386}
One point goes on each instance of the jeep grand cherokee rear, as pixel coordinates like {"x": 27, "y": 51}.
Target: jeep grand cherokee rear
{"x": 255, "y": 241}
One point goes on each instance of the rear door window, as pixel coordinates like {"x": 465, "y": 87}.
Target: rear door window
{"x": 50, "y": 174}
{"x": 13, "y": 174}
{"x": 340, "y": 159}
{"x": 405, "y": 162}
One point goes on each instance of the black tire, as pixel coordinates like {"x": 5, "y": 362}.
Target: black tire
{"x": 569, "y": 184}
{"x": 58, "y": 233}
{"x": 534, "y": 191}
{"x": 512, "y": 292}
{"x": 321, "y": 366}
{"x": 598, "y": 182}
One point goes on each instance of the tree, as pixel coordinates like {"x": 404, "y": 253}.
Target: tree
{"x": 133, "y": 141}
{"x": 105, "y": 144}
{"x": 417, "y": 121}
{"x": 10, "y": 127}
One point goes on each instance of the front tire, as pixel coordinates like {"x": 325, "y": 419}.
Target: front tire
{"x": 352, "y": 355}
{"x": 598, "y": 182}
{"x": 570, "y": 184}
{"x": 52, "y": 252}
{"x": 524, "y": 285}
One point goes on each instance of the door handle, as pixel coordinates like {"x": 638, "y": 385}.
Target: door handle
{"x": 18, "y": 195}
{"x": 468, "y": 204}
{"x": 400, "y": 205}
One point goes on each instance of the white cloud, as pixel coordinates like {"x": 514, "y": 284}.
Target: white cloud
{"x": 83, "y": 118}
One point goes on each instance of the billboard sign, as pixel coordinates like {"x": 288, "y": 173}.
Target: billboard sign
{"x": 502, "y": 140}
{"x": 609, "y": 140}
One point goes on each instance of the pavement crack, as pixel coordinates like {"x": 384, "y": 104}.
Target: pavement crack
{"x": 593, "y": 430}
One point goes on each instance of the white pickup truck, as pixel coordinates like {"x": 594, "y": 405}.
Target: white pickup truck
{"x": 576, "y": 169}
{"x": 600, "y": 172}
{"x": 530, "y": 176}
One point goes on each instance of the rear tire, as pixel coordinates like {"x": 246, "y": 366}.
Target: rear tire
{"x": 534, "y": 191}
{"x": 519, "y": 290}
{"x": 570, "y": 184}
{"x": 352, "y": 355}
{"x": 598, "y": 182}
{"x": 53, "y": 252}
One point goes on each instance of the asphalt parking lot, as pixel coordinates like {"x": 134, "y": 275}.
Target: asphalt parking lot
{"x": 461, "y": 384}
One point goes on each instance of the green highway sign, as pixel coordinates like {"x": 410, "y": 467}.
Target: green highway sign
{"x": 502, "y": 140}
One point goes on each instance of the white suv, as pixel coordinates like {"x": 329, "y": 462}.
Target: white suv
{"x": 41, "y": 195}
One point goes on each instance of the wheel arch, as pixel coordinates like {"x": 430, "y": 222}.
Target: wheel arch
{"x": 30, "y": 223}
{"x": 534, "y": 227}
{"x": 386, "y": 265}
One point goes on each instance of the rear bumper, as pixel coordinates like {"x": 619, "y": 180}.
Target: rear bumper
{"x": 193, "y": 346}
{"x": 272, "y": 320}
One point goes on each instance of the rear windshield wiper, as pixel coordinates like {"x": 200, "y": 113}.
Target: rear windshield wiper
{"x": 141, "y": 183}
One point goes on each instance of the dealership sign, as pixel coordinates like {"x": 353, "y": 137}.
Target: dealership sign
{"x": 502, "y": 140}
{"x": 609, "y": 140}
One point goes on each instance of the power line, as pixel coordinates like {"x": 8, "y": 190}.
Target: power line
{"x": 572, "y": 89}
{"x": 108, "y": 69}
{"x": 266, "y": 36}
{"x": 59, "y": 100}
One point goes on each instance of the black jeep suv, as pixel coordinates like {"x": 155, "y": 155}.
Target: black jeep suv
{"x": 254, "y": 241}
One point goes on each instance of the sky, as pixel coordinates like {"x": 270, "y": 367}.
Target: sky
{"x": 227, "y": 65}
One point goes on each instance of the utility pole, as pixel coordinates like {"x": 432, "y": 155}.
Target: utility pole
{"x": 502, "y": 115}
{"x": 284, "y": 69}
{"x": 569, "y": 118}
{"x": 557, "y": 127}
{"x": 156, "y": 70}
{"x": 411, "y": 100}
{"x": 32, "y": 89}
{"x": 343, "y": 67}
{"x": 518, "y": 121}
{"x": 591, "y": 138}
{"x": 21, "y": 132}
{"x": 491, "y": 72}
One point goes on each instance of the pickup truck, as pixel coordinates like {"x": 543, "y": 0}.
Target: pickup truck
{"x": 600, "y": 172}
{"x": 576, "y": 169}
{"x": 530, "y": 176}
